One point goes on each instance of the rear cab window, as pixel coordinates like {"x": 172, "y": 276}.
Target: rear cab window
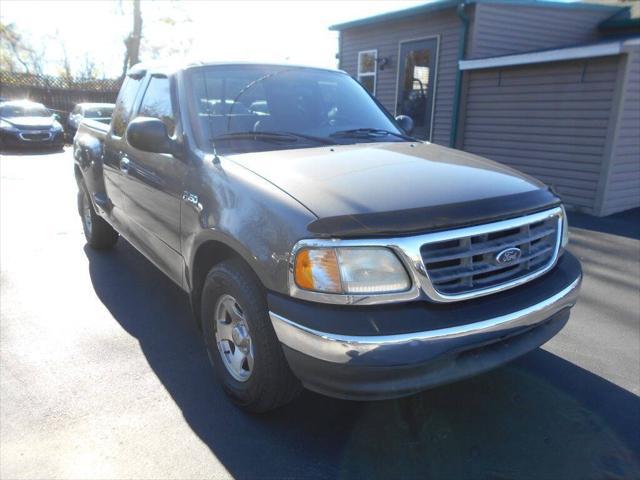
{"x": 156, "y": 102}
{"x": 124, "y": 106}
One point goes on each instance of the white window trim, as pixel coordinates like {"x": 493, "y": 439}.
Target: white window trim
{"x": 560, "y": 54}
{"x": 435, "y": 77}
{"x": 373, "y": 74}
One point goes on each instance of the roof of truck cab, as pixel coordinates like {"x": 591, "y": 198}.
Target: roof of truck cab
{"x": 168, "y": 69}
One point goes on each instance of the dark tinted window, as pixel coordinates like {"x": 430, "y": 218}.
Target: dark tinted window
{"x": 124, "y": 104}
{"x": 157, "y": 102}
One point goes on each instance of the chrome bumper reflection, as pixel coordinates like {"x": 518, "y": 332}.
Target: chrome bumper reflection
{"x": 343, "y": 348}
{"x": 24, "y": 136}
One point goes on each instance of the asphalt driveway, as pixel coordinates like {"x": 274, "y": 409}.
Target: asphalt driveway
{"x": 103, "y": 374}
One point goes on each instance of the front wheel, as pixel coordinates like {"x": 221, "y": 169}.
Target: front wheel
{"x": 98, "y": 233}
{"x": 242, "y": 346}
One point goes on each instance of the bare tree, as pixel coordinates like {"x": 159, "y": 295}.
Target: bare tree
{"x": 66, "y": 71}
{"x": 37, "y": 59}
{"x": 172, "y": 25}
{"x": 89, "y": 68}
{"x": 132, "y": 42}
{"x": 14, "y": 51}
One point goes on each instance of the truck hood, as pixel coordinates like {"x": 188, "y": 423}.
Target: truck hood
{"x": 34, "y": 122}
{"x": 397, "y": 187}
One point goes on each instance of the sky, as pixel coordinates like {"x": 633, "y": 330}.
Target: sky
{"x": 269, "y": 31}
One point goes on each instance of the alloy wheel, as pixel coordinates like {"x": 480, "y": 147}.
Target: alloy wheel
{"x": 233, "y": 338}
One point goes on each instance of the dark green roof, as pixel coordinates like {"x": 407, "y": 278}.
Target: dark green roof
{"x": 444, "y": 4}
{"x": 398, "y": 14}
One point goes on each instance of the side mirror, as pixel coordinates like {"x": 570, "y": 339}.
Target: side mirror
{"x": 57, "y": 117}
{"x": 149, "y": 135}
{"x": 406, "y": 123}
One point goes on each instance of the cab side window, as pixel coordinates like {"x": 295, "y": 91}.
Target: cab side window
{"x": 156, "y": 102}
{"x": 124, "y": 105}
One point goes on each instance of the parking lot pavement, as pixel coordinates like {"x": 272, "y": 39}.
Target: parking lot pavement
{"x": 103, "y": 375}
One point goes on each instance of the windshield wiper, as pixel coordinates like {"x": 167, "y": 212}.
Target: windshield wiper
{"x": 369, "y": 133}
{"x": 276, "y": 137}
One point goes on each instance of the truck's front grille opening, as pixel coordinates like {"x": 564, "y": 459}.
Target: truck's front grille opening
{"x": 467, "y": 264}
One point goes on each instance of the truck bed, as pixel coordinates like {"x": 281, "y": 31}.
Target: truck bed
{"x": 95, "y": 128}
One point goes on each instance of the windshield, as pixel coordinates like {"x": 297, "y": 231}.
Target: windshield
{"x": 9, "y": 111}
{"x": 239, "y": 108}
{"x": 102, "y": 112}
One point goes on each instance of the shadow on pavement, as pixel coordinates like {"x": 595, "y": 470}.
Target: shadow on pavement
{"x": 539, "y": 417}
{"x": 625, "y": 224}
{"x": 29, "y": 151}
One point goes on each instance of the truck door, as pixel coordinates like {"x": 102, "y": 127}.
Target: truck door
{"x": 114, "y": 156}
{"x": 155, "y": 186}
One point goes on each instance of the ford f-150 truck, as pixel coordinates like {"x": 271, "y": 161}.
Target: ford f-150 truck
{"x": 321, "y": 245}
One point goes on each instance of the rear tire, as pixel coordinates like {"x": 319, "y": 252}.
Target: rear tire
{"x": 98, "y": 233}
{"x": 234, "y": 305}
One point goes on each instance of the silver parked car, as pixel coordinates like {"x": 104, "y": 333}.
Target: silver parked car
{"x": 100, "y": 112}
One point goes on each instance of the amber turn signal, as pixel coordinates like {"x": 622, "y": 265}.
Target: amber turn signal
{"x": 318, "y": 270}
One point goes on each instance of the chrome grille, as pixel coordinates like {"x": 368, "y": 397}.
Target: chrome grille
{"x": 468, "y": 264}
{"x": 36, "y": 136}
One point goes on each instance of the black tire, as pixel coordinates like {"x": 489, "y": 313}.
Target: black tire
{"x": 98, "y": 233}
{"x": 271, "y": 383}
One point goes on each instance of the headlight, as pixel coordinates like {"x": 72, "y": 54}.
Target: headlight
{"x": 350, "y": 270}
{"x": 565, "y": 229}
{"x": 56, "y": 126}
{"x": 4, "y": 125}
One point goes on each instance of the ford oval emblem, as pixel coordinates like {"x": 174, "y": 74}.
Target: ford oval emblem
{"x": 508, "y": 255}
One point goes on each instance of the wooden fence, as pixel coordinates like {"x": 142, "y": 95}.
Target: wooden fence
{"x": 59, "y": 94}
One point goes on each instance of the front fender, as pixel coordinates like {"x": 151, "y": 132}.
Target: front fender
{"x": 247, "y": 214}
{"x": 87, "y": 154}
{"x": 227, "y": 241}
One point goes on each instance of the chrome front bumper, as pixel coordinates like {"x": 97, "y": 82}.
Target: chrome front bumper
{"x": 340, "y": 349}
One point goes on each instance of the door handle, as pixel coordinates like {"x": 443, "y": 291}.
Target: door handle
{"x": 125, "y": 163}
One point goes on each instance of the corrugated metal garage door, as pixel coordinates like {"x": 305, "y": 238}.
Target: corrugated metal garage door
{"x": 622, "y": 190}
{"x": 549, "y": 120}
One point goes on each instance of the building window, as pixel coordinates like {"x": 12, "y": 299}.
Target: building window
{"x": 367, "y": 68}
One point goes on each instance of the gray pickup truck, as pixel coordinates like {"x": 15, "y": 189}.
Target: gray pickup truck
{"x": 321, "y": 245}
